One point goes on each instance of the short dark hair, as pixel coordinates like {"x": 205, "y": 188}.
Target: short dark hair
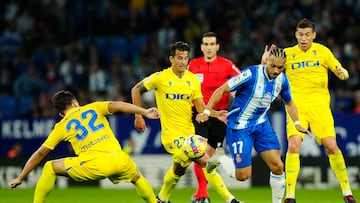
{"x": 210, "y": 34}
{"x": 61, "y": 100}
{"x": 305, "y": 23}
{"x": 180, "y": 46}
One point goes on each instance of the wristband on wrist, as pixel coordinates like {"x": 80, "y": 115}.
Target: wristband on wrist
{"x": 297, "y": 122}
{"x": 207, "y": 112}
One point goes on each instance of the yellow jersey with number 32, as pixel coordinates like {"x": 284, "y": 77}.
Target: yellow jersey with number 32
{"x": 308, "y": 74}
{"x": 87, "y": 130}
{"x": 174, "y": 97}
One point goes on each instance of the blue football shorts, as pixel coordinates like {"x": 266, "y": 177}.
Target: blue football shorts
{"x": 241, "y": 142}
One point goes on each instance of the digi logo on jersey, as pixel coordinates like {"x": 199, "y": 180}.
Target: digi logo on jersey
{"x": 173, "y": 96}
{"x": 305, "y": 64}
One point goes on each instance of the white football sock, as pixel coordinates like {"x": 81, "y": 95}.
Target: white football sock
{"x": 277, "y": 184}
{"x": 228, "y": 165}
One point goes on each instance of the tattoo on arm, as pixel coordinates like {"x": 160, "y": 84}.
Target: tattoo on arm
{"x": 141, "y": 87}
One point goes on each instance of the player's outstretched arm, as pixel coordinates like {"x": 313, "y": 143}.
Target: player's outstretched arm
{"x": 119, "y": 106}
{"x": 214, "y": 99}
{"x": 341, "y": 73}
{"x": 292, "y": 110}
{"x": 152, "y": 113}
{"x": 32, "y": 162}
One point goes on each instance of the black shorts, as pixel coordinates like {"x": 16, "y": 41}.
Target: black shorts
{"x": 214, "y": 130}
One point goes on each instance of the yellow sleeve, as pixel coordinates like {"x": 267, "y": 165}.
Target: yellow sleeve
{"x": 151, "y": 81}
{"x": 54, "y": 138}
{"x": 332, "y": 63}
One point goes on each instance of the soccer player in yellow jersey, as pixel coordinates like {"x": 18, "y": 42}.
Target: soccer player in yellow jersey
{"x": 176, "y": 89}
{"x": 307, "y": 65}
{"x": 99, "y": 153}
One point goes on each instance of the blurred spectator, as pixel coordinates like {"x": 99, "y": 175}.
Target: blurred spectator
{"x": 71, "y": 72}
{"x": 357, "y": 101}
{"x": 51, "y": 78}
{"x": 345, "y": 100}
{"x": 179, "y": 12}
{"x": 25, "y": 22}
{"x": 15, "y": 151}
{"x": 28, "y": 83}
{"x": 6, "y": 79}
{"x": 61, "y": 38}
{"x": 7, "y": 75}
{"x": 99, "y": 82}
{"x": 165, "y": 34}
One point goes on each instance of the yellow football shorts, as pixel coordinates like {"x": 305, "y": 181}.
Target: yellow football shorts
{"x": 116, "y": 166}
{"x": 318, "y": 119}
{"x": 175, "y": 147}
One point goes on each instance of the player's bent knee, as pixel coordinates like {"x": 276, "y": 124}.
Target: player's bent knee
{"x": 179, "y": 170}
{"x": 294, "y": 147}
{"x": 242, "y": 176}
{"x": 279, "y": 166}
{"x": 136, "y": 177}
{"x": 277, "y": 170}
{"x": 331, "y": 149}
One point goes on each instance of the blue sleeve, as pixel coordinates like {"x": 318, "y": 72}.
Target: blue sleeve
{"x": 285, "y": 90}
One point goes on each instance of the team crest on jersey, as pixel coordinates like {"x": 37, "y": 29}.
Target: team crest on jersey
{"x": 238, "y": 158}
{"x": 170, "y": 83}
{"x": 314, "y": 53}
{"x": 188, "y": 83}
{"x": 293, "y": 56}
{"x": 278, "y": 88}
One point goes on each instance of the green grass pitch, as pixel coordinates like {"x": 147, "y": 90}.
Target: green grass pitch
{"x": 97, "y": 195}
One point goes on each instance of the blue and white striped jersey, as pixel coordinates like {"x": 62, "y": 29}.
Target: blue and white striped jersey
{"x": 254, "y": 94}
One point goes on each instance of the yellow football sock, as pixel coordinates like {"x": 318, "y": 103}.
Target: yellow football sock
{"x": 292, "y": 168}
{"x": 337, "y": 164}
{"x": 217, "y": 183}
{"x": 45, "y": 183}
{"x": 170, "y": 181}
{"x": 145, "y": 190}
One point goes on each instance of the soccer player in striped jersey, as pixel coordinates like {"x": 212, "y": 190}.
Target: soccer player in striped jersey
{"x": 248, "y": 125}
{"x": 176, "y": 90}
{"x": 307, "y": 65}
{"x": 99, "y": 153}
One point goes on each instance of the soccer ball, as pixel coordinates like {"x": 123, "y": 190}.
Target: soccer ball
{"x": 195, "y": 146}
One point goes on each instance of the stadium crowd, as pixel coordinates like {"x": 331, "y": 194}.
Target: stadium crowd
{"x": 99, "y": 49}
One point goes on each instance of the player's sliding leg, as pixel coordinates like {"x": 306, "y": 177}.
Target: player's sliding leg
{"x": 145, "y": 190}
{"x": 170, "y": 181}
{"x": 45, "y": 183}
{"x": 217, "y": 183}
{"x": 201, "y": 191}
{"x": 228, "y": 165}
{"x": 214, "y": 161}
